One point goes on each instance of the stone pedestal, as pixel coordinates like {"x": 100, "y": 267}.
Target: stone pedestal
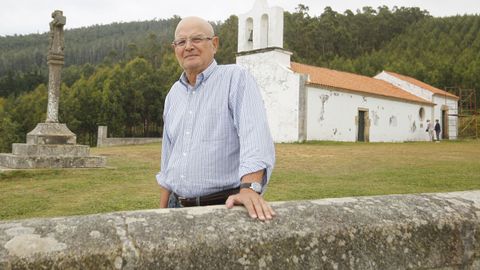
{"x": 51, "y": 133}
{"x": 50, "y": 145}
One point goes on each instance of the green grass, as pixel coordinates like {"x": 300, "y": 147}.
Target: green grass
{"x": 324, "y": 169}
{"x": 303, "y": 171}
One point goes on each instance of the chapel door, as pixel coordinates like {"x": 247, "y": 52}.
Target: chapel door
{"x": 361, "y": 126}
{"x": 444, "y": 124}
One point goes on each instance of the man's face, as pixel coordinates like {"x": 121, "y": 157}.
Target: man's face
{"x": 198, "y": 50}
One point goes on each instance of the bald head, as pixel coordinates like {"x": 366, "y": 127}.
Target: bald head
{"x": 196, "y": 23}
{"x": 197, "y": 46}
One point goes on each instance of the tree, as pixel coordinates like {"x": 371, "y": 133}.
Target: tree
{"x": 113, "y": 114}
{"x": 227, "y": 33}
{"x": 9, "y": 133}
{"x": 28, "y": 109}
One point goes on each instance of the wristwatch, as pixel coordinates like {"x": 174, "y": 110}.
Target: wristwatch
{"x": 255, "y": 186}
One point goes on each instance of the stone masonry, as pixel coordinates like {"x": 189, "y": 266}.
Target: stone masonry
{"x": 423, "y": 231}
{"x": 103, "y": 140}
{"x": 52, "y": 144}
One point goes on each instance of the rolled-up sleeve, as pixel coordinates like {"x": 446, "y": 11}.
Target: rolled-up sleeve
{"x": 257, "y": 151}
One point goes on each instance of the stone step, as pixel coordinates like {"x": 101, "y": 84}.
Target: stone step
{"x": 23, "y": 149}
{"x": 35, "y": 162}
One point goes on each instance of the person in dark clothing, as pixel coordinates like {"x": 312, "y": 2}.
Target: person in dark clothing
{"x": 437, "y": 129}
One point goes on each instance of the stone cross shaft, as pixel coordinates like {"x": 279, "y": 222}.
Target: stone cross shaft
{"x": 55, "y": 63}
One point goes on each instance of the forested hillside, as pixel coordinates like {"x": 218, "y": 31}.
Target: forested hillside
{"x": 85, "y": 45}
{"x": 119, "y": 74}
{"x": 444, "y": 52}
{"x": 22, "y": 58}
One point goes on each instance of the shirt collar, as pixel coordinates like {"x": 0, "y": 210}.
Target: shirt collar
{"x": 200, "y": 77}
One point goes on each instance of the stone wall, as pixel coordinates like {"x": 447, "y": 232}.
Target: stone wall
{"x": 103, "y": 141}
{"x": 426, "y": 231}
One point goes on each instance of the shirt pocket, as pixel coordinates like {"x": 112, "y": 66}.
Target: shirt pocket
{"x": 215, "y": 126}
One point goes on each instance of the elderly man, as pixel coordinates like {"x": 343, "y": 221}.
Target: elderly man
{"x": 217, "y": 147}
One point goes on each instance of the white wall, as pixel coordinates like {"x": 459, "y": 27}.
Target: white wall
{"x": 439, "y": 101}
{"x": 280, "y": 91}
{"x": 332, "y": 116}
{"x": 411, "y": 88}
{"x": 452, "y": 104}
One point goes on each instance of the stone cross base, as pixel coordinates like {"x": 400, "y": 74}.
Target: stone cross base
{"x": 12, "y": 161}
{"x": 51, "y": 133}
{"x": 50, "y": 145}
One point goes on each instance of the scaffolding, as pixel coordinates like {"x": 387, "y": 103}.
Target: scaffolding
{"x": 467, "y": 112}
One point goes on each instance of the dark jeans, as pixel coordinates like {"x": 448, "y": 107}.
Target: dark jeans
{"x": 173, "y": 202}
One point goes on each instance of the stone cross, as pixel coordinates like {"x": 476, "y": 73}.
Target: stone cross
{"x": 55, "y": 62}
{"x": 51, "y": 144}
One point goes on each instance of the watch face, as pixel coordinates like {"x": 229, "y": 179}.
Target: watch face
{"x": 256, "y": 187}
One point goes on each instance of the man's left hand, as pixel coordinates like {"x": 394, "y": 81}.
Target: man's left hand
{"x": 256, "y": 206}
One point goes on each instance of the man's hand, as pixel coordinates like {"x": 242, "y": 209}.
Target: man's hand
{"x": 256, "y": 206}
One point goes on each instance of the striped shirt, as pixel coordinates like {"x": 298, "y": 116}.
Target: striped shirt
{"x": 214, "y": 133}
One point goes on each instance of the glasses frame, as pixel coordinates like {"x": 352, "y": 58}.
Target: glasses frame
{"x": 182, "y": 42}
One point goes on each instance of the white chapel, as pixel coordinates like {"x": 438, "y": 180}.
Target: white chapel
{"x": 305, "y": 102}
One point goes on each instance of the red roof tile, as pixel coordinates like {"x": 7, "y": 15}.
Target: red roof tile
{"x": 422, "y": 84}
{"x": 353, "y": 82}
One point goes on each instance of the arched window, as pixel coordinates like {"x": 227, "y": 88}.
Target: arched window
{"x": 264, "y": 31}
{"x": 421, "y": 113}
{"x": 249, "y": 33}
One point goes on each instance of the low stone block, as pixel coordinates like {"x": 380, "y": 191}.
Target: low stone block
{"x": 23, "y": 149}
{"x": 36, "y": 162}
{"x": 127, "y": 141}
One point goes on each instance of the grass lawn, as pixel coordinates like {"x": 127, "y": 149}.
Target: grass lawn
{"x": 303, "y": 171}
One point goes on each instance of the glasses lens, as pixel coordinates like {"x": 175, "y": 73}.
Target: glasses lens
{"x": 197, "y": 40}
{"x": 180, "y": 42}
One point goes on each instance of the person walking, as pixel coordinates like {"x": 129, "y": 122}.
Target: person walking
{"x": 430, "y": 130}
{"x": 437, "y": 129}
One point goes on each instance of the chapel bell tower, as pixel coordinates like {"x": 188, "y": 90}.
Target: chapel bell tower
{"x": 261, "y": 53}
{"x": 261, "y": 27}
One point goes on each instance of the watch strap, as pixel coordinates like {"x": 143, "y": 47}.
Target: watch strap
{"x": 255, "y": 186}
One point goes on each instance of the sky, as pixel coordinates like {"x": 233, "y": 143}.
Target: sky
{"x": 32, "y": 16}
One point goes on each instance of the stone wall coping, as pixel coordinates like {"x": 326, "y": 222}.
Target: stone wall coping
{"x": 414, "y": 231}
{"x": 104, "y": 141}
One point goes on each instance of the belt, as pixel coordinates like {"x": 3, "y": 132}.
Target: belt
{"x": 212, "y": 199}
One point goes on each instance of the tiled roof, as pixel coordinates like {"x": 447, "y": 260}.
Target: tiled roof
{"x": 353, "y": 82}
{"x": 421, "y": 84}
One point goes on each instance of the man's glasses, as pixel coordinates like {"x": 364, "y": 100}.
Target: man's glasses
{"x": 181, "y": 42}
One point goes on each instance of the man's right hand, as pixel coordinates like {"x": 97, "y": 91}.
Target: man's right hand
{"x": 256, "y": 206}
